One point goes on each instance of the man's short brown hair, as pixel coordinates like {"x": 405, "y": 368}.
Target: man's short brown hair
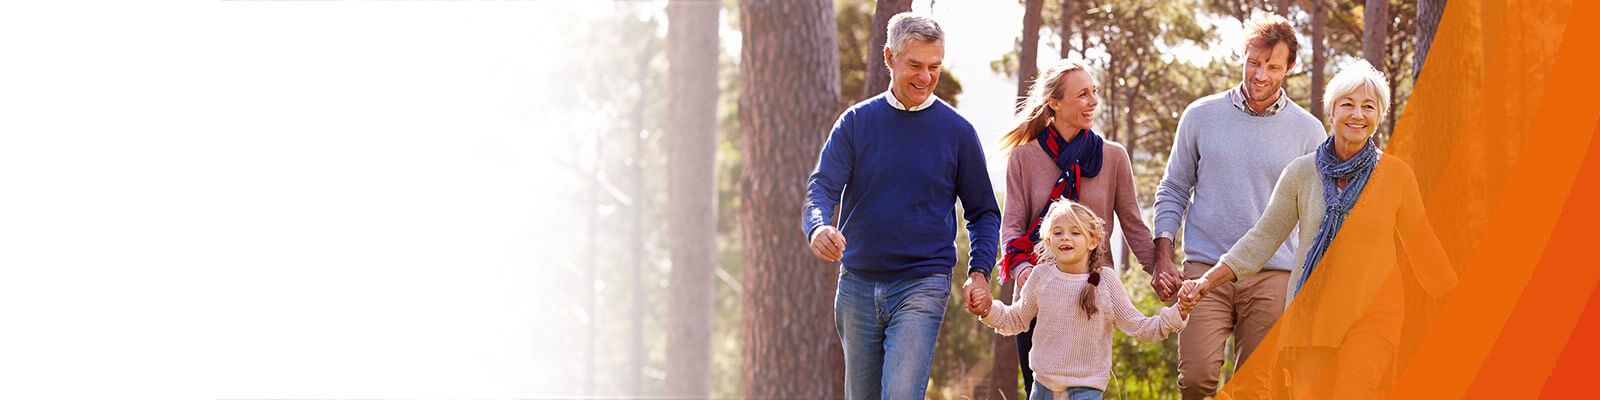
{"x": 1265, "y": 30}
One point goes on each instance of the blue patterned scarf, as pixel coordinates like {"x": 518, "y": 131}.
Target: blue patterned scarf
{"x": 1357, "y": 169}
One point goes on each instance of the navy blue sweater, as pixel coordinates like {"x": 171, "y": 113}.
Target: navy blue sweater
{"x": 900, "y": 174}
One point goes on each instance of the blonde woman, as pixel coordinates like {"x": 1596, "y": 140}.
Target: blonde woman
{"x": 1054, "y": 154}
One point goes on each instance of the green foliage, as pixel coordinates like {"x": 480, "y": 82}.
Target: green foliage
{"x": 854, "y": 19}
{"x": 962, "y": 356}
{"x": 1143, "y": 370}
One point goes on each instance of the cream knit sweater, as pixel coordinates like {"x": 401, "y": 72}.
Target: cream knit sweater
{"x": 1068, "y": 349}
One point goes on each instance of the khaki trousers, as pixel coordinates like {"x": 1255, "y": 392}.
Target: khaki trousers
{"x": 1244, "y": 310}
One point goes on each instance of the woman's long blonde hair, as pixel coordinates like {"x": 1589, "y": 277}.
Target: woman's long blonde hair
{"x": 1035, "y": 113}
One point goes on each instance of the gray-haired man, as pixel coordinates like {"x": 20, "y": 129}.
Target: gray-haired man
{"x": 896, "y": 164}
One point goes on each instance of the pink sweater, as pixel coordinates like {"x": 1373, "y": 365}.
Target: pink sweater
{"x": 1068, "y": 349}
{"x": 1030, "y": 174}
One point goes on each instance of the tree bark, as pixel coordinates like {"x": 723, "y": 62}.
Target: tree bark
{"x": 1429, "y": 12}
{"x": 1375, "y": 32}
{"x": 1319, "y": 57}
{"x": 1028, "y": 56}
{"x": 789, "y": 85}
{"x": 691, "y": 193}
{"x": 1066, "y": 28}
{"x": 877, "y": 72}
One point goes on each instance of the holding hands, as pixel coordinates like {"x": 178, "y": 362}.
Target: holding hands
{"x": 1165, "y": 278}
{"x": 975, "y": 294}
{"x": 1190, "y": 294}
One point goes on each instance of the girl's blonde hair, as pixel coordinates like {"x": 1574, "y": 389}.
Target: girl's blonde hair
{"x": 1093, "y": 227}
{"x": 1035, "y": 113}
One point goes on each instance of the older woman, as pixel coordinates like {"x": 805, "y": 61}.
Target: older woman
{"x": 1350, "y": 307}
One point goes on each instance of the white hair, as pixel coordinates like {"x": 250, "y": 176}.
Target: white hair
{"x": 1357, "y": 76}
{"x": 904, "y": 27}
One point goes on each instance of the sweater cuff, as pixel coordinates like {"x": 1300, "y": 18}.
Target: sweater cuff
{"x": 994, "y": 313}
{"x": 1172, "y": 320}
{"x": 985, "y": 271}
{"x": 1240, "y": 273}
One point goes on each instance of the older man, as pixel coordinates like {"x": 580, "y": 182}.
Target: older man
{"x": 1229, "y": 151}
{"x": 900, "y": 161}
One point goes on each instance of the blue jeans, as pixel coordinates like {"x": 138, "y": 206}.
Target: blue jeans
{"x": 888, "y": 330}
{"x": 1073, "y": 393}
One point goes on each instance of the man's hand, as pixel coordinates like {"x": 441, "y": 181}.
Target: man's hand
{"x": 1164, "y": 275}
{"x": 975, "y": 294}
{"x": 1165, "y": 278}
{"x": 1022, "y": 279}
{"x": 827, "y": 243}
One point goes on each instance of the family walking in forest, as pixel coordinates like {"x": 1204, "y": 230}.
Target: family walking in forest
{"x": 1248, "y": 169}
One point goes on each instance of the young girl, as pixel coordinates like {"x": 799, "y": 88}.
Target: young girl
{"x": 1053, "y": 152}
{"x": 1071, "y": 355}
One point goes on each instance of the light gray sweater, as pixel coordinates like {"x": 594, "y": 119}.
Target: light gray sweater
{"x": 1220, "y": 174}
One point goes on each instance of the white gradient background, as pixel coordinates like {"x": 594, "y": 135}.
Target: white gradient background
{"x": 284, "y": 199}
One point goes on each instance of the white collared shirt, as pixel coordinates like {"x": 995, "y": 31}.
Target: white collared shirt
{"x": 895, "y": 102}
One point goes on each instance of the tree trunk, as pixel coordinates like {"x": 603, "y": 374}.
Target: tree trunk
{"x": 1375, "y": 32}
{"x": 789, "y": 98}
{"x": 1028, "y": 56}
{"x": 1066, "y": 28}
{"x": 877, "y": 73}
{"x": 1282, "y": 7}
{"x": 691, "y": 193}
{"x": 1429, "y": 12}
{"x": 1319, "y": 57}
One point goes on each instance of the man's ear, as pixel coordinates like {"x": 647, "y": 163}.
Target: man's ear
{"x": 888, "y": 56}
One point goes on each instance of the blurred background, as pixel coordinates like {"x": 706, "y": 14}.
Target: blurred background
{"x": 557, "y": 198}
{"x": 1151, "y": 59}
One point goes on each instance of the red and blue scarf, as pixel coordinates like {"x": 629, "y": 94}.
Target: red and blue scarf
{"x": 1077, "y": 159}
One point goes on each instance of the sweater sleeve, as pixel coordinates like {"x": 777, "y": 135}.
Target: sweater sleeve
{"x": 1126, "y": 203}
{"x": 1013, "y": 319}
{"x": 828, "y": 179}
{"x": 1428, "y": 260}
{"x": 1014, "y": 223}
{"x": 1172, "y": 197}
{"x": 1257, "y": 246}
{"x": 1133, "y": 322}
{"x": 977, "y": 200}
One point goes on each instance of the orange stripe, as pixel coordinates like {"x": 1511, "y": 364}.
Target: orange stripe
{"x": 1504, "y": 259}
{"x": 1573, "y": 377}
{"x": 1549, "y": 309}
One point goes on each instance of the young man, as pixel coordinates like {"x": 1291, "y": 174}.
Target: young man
{"x": 1230, "y": 149}
{"x": 900, "y": 161}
